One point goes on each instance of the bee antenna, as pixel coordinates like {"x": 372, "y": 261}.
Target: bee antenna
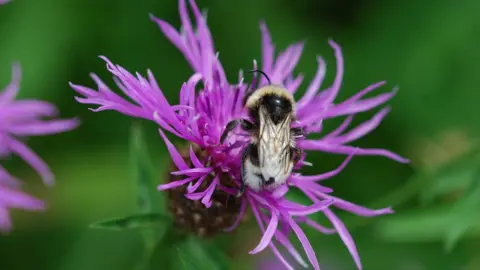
{"x": 261, "y": 72}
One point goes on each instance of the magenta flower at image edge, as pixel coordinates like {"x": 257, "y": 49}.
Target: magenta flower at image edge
{"x": 20, "y": 119}
{"x": 200, "y": 117}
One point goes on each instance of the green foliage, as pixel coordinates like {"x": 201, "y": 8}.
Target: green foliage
{"x": 139, "y": 221}
{"x": 457, "y": 175}
{"x": 144, "y": 173}
{"x": 449, "y": 221}
{"x": 194, "y": 254}
{"x": 428, "y": 48}
{"x": 186, "y": 263}
{"x": 158, "y": 230}
{"x": 463, "y": 213}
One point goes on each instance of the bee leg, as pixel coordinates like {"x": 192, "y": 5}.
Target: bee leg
{"x": 245, "y": 155}
{"x": 245, "y": 124}
{"x": 296, "y": 154}
{"x": 298, "y": 132}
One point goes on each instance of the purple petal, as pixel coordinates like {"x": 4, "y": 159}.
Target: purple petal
{"x": 345, "y": 236}
{"x": 327, "y": 175}
{"x": 337, "y": 83}
{"x": 256, "y": 213}
{"x": 33, "y": 160}
{"x": 267, "y": 235}
{"x": 360, "y": 94}
{"x": 308, "y": 210}
{"x": 175, "y": 184}
{"x": 207, "y": 199}
{"x": 280, "y": 191}
{"x": 339, "y": 129}
{"x": 316, "y": 226}
{"x": 196, "y": 172}
{"x": 192, "y": 188}
{"x": 17, "y": 199}
{"x": 43, "y": 128}
{"x": 243, "y": 206}
{"x": 28, "y": 109}
{"x": 259, "y": 198}
{"x": 313, "y": 185}
{"x": 268, "y": 51}
{"x": 353, "y": 208}
{"x": 254, "y": 80}
{"x": 282, "y": 239}
{"x": 360, "y": 106}
{"x": 305, "y": 243}
{"x": 193, "y": 157}
{"x": 9, "y": 94}
{"x": 159, "y": 120}
{"x": 362, "y": 129}
{"x": 286, "y": 62}
{"x": 175, "y": 155}
{"x": 106, "y": 99}
{"x": 280, "y": 257}
{"x": 292, "y": 85}
{"x": 315, "y": 84}
{"x": 188, "y": 95}
{"x": 347, "y": 150}
{"x": 195, "y": 196}
{"x": 5, "y": 222}
{"x": 208, "y": 56}
{"x": 7, "y": 179}
{"x": 189, "y": 38}
{"x": 313, "y": 121}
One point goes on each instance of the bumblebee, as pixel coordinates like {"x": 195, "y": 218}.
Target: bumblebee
{"x": 271, "y": 153}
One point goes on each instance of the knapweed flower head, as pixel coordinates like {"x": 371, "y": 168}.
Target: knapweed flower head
{"x": 212, "y": 168}
{"x": 20, "y": 119}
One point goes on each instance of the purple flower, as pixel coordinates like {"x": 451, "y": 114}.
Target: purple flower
{"x": 20, "y": 119}
{"x": 4, "y": 2}
{"x": 13, "y": 197}
{"x": 201, "y": 116}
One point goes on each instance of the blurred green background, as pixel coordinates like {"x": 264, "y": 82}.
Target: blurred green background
{"x": 428, "y": 48}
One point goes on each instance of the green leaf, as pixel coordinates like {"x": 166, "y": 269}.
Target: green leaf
{"x": 216, "y": 253}
{"x": 454, "y": 176}
{"x": 185, "y": 262}
{"x": 422, "y": 225}
{"x": 463, "y": 213}
{"x": 196, "y": 252}
{"x": 415, "y": 226}
{"x": 448, "y": 223}
{"x": 139, "y": 221}
{"x": 149, "y": 198}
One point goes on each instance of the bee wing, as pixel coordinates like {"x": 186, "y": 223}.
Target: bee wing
{"x": 285, "y": 158}
{"x": 285, "y": 142}
{"x": 275, "y": 139}
{"x": 263, "y": 135}
{"x": 282, "y": 136}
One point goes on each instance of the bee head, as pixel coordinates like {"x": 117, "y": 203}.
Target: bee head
{"x": 275, "y": 100}
{"x": 277, "y": 106}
